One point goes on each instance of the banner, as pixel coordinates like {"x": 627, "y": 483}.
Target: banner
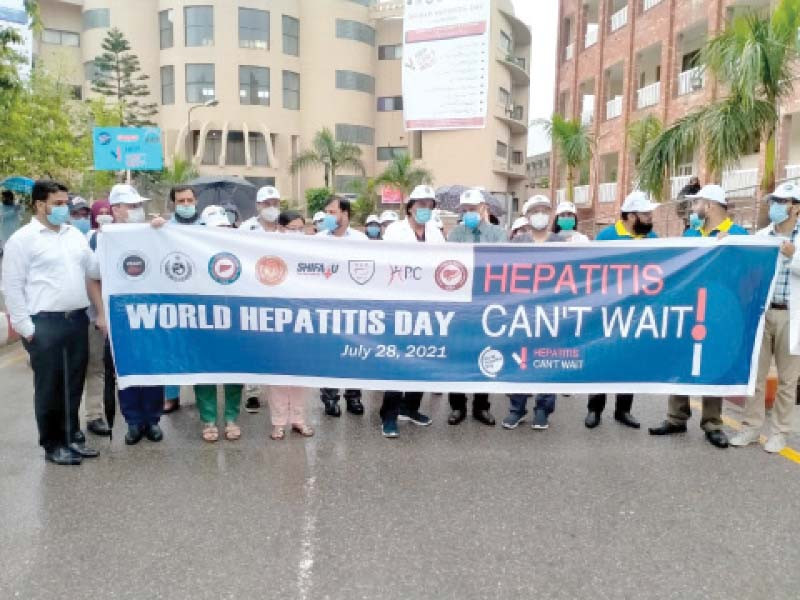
{"x": 123, "y": 148}
{"x": 446, "y": 64}
{"x": 194, "y": 305}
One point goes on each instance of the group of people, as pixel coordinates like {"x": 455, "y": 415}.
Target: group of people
{"x": 52, "y": 288}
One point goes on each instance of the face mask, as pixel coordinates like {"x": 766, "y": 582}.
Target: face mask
{"x": 640, "y": 228}
{"x": 186, "y": 211}
{"x": 135, "y": 215}
{"x": 330, "y": 223}
{"x": 422, "y": 215}
{"x": 566, "y": 223}
{"x": 472, "y": 220}
{"x": 58, "y": 215}
{"x": 83, "y": 224}
{"x": 778, "y": 213}
{"x": 270, "y": 214}
{"x": 104, "y": 219}
{"x": 539, "y": 221}
{"x": 373, "y": 232}
{"x": 695, "y": 222}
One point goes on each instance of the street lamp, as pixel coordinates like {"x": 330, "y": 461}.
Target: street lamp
{"x": 207, "y": 103}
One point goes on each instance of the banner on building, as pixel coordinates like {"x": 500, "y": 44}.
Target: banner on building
{"x": 446, "y": 64}
{"x": 127, "y": 148}
{"x": 189, "y": 305}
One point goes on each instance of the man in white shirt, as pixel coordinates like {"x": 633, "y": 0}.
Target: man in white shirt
{"x": 49, "y": 276}
{"x": 268, "y": 209}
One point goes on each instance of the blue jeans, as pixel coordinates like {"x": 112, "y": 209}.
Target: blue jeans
{"x": 519, "y": 403}
{"x": 141, "y": 405}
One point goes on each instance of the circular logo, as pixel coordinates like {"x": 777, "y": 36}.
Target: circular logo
{"x": 271, "y": 270}
{"x": 178, "y": 267}
{"x": 490, "y": 362}
{"x": 451, "y": 275}
{"x": 134, "y": 265}
{"x": 224, "y": 268}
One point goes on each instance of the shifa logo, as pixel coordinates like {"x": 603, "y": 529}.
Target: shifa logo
{"x": 224, "y": 268}
{"x": 134, "y": 265}
{"x": 403, "y": 273}
{"x": 490, "y": 362}
{"x": 318, "y": 269}
{"x": 178, "y": 267}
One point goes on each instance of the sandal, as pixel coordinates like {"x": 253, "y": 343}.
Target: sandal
{"x": 278, "y": 433}
{"x": 210, "y": 432}
{"x": 232, "y": 431}
{"x": 303, "y": 429}
{"x": 170, "y": 406}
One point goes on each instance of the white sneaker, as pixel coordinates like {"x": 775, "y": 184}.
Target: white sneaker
{"x": 745, "y": 437}
{"x": 775, "y": 443}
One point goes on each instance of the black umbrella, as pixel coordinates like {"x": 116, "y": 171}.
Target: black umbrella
{"x": 448, "y": 198}
{"x": 109, "y": 387}
{"x": 224, "y": 190}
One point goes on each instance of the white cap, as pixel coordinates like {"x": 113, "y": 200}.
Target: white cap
{"x": 268, "y": 192}
{"x": 566, "y": 207}
{"x": 372, "y": 219}
{"x": 214, "y": 216}
{"x": 122, "y": 193}
{"x": 423, "y": 192}
{"x": 712, "y": 192}
{"x": 436, "y": 218}
{"x": 472, "y": 197}
{"x": 520, "y": 222}
{"x": 318, "y": 216}
{"x": 785, "y": 190}
{"x": 389, "y": 216}
{"x": 537, "y": 200}
{"x": 638, "y": 202}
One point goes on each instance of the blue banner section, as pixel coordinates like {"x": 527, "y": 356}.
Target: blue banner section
{"x": 123, "y": 148}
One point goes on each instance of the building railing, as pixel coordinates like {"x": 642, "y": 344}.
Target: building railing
{"x": 619, "y": 19}
{"x": 582, "y": 196}
{"x": 648, "y": 4}
{"x": 648, "y": 95}
{"x": 614, "y": 108}
{"x": 677, "y": 184}
{"x": 691, "y": 81}
{"x": 561, "y": 195}
{"x": 590, "y": 39}
{"x": 587, "y": 117}
{"x": 792, "y": 171}
{"x": 607, "y": 192}
{"x": 740, "y": 182}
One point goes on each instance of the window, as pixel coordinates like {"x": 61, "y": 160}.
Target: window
{"x": 258, "y": 149}
{"x": 165, "y": 28}
{"x": 199, "y": 83}
{"x": 254, "y": 85}
{"x": 393, "y": 52}
{"x": 353, "y": 80}
{"x": 517, "y": 157}
{"x": 505, "y": 42}
{"x": 199, "y": 24}
{"x": 98, "y": 17}
{"x": 388, "y": 103}
{"x": 213, "y": 148}
{"x": 76, "y": 91}
{"x": 253, "y": 28}
{"x": 291, "y": 90}
{"x": 416, "y": 144}
{"x": 234, "y": 149}
{"x": 61, "y": 38}
{"x": 353, "y": 30}
{"x": 503, "y": 96}
{"x": 291, "y": 36}
{"x": 168, "y": 85}
{"x": 355, "y": 134}
{"x": 390, "y": 152}
{"x": 347, "y": 183}
{"x": 502, "y": 150}
{"x": 89, "y": 70}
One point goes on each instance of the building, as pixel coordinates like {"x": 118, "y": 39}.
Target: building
{"x": 280, "y": 71}
{"x": 538, "y": 169}
{"x": 619, "y": 60}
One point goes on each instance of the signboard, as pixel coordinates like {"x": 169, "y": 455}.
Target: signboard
{"x": 127, "y": 148}
{"x": 390, "y": 195}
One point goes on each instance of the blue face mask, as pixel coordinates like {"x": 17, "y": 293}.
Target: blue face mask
{"x": 82, "y": 224}
{"x": 472, "y": 220}
{"x": 59, "y": 215}
{"x": 186, "y": 211}
{"x": 423, "y": 215}
{"x": 566, "y": 223}
{"x": 778, "y": 213}
{"x": 330, "y": 223}
{"x": 695, "y": 222}
{"x": 374, "y": 231}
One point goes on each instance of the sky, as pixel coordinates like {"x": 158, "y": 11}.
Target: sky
{"x": 542, "y": 17}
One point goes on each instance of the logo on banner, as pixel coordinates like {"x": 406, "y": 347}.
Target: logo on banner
{"x": 361, "y": 271}
{"x": 490, "y": 362}
{"x": 271, "y": 270}
{"x": 403, "y": 273}
{"x": 224, "y": 268}
{"x": 178, "y": 267}
{"x": 134, "y": 265}
{"x": 316, "y": 268}
{"x": 451, "y": 275}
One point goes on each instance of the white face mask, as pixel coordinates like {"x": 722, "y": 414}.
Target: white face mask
{"x": 104, "y": 219}
{"x": 270, "y": 214}
{"x": 539, "y": 221}
{"x": 136, "y": 215}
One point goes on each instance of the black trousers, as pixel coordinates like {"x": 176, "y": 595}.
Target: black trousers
{"x": 597, "y": 402}
{"x": 458, "y": 401}
{"x": 394, "y": 402}
{"x": 333, "y": 394}
{"x": 59, "y": 354}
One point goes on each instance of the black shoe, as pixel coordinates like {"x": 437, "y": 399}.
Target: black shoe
{"x": 252, "y": 404}
{"x": 354, "y": 406}
{"x": 457, "y": 416}
{"x": 485, "y": 417}
{"x": 171, "y": 405}
{"x": 592, "y": 419}
{"x": 78, "y": 437}
{"x": 332, "y": 407}
{"x": 134, "y": 435}
{"x": 153, "y": 433}
{"x": 98, "y": 427}
{"x": 667, "y": 428}
{"x": 627, "y": 419}
{"x": 717, "y": 438}
{"x": 83, "y": 451}
{"x": 63, "y": 456}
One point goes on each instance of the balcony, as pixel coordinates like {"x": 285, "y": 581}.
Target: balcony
{"x": 518, "y": 68}
{"x": 619, "y": 19}
{"x": 590, "y": 39}
{"x": 607, "y": 192}
{"x": 676, "y": 184}
{"x": 740, "y": 183}
{"x": 582, "y": 196}
{"x": 648, "y": 4}
{"x": 569, "y": 51}
{"x": 514, "y": 117}
{"x": 691, "y": 81}
{"x": 561, "y": 195}
{"x": 793, "y": 172}
{"x": 614, "y": 108}
{"x": 587, "y": 117}
{"x": 648, "y": 95}
{"x": 509, "y": 169}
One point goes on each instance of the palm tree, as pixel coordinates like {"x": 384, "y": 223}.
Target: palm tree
{"x": 641, "y": 133}
{"x": 754, "y": 58}
{"x": 574, "y": 143}
{"x": 181, "y": 171}
{"x": 403, "y": 175}
{"x": 326, "y": 152}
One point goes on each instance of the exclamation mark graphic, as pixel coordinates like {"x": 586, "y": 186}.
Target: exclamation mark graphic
{"x": 521, "y": 359}
{"x": 699, "y": 332}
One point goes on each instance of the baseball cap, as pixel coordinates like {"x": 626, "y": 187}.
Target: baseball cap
{"x": 472, "y": 197}
{"x": 122, "y": 193}
{"x": 520, "y": 222}
{"x": 712, "y": 192}
{"x": 566, "y": 207}
{"x": 372, "y": 219}
{"x": 389, "y": 216}
{"x": 318, "y": 216}
{"x": 537, "y": 200}
{"x": 423, "y": 192}
{"x": 214, "y": 216}
{"x": 77, "y": 203}
{"x": 638, "y": 202}
{"x": 786, "y": 190}
{"x": 267, "y": 192}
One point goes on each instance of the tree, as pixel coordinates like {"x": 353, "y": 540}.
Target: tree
{"x": 316, "y": 199}
{"x": 364, "y": 204}
{"x": 326, "y": 152}
{"x": 401, "y": 174}
{"x": 117, "y": 75}
{"x": 10, "y": 59}
{"x": 754, "y": 58}
{"x": 641, "y": 133}
{"x": 573, "y": 142}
